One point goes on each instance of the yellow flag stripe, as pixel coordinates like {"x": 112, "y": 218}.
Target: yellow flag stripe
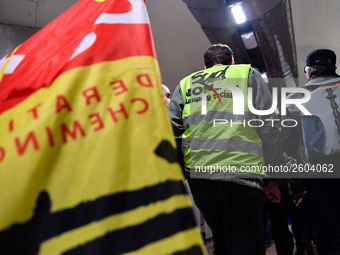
{"x": 185, "y": 240}
{"x": 90, "y": 232}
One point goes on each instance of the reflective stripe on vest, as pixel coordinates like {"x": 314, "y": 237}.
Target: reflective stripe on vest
{"x": 229, "y": 142}
{"x": 222, "y": 144}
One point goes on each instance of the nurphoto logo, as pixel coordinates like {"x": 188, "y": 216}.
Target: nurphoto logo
{"x": 238, "y": 99}
{"x": 238, "y": 104}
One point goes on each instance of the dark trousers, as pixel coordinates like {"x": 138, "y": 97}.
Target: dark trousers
{"x": 278, "y": 215}
{"x": 234, "y": 213}
{"x": 324, "y": 196}
{"x": 301, "y": 225}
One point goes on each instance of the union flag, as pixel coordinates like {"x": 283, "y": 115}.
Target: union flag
{"x": 87, "y": 162}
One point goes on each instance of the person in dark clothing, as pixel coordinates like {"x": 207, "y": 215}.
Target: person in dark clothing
{"x": 300, "y": 219}
{"x": 316, "y": 142}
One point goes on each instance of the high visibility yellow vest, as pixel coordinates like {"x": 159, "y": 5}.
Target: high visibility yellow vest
{"x": 218, "y": 141}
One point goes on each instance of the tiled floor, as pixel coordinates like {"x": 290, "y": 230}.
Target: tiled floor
{"x": 271, "y": 250}
{"x": 210, "y": 248}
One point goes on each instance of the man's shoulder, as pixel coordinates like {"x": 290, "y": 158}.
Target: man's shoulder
{"x": 254, "y": 72}
{"x": 322, "y": 81}
{"x": 189, "y": 76}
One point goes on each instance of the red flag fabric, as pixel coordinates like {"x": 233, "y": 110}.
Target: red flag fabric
{"x": 88, "y": 24}
{"x": 87, "y": 162}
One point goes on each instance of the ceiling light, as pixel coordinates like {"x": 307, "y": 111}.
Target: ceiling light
{"x": 249, "y": 40}
{"x": 238, "y": 13}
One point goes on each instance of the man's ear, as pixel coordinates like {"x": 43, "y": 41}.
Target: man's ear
{"x": 205, "y": 67}
{"x": 232, "y": 61}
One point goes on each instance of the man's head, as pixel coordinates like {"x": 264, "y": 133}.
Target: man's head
{"x": 320, "y": 61}
{"x": 218, "y": 54}
{"x": 167, "y": 94}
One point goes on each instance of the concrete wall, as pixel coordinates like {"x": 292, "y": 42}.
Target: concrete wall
{"x": 316, "y": 27}
{"x": 11, "y": 36}
{"x": 179, "y": 40}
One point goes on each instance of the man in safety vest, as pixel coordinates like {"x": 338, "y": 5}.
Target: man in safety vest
{"x": 224, "y": 147}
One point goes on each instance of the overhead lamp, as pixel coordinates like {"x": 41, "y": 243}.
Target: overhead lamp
{"x": 238, "y": 13}
{"x": 249, "y": 40}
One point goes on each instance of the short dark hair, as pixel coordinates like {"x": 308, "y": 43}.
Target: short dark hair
{"x": 321, "y": 69}
{"x": 218, "y": 54}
